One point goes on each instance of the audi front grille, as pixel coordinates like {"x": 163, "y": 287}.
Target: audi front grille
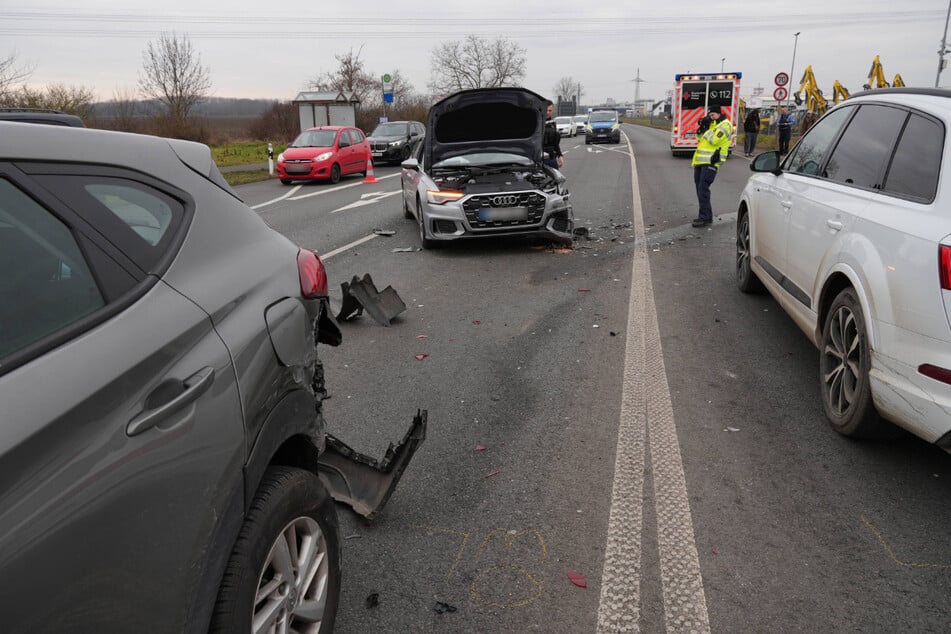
{"x": 478, "y": 207}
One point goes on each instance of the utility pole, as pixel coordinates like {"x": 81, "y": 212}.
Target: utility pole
{"x": 944, "y": 49}
{"x": 792, "y": 68}
{"x": 637, "y": 87}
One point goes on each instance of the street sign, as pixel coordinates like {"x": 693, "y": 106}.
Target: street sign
{"x": 387, "y": 82}
{"x": 781, "y": 79}
{"x": 387, "y": 97}
{"x": 780, "y": 94}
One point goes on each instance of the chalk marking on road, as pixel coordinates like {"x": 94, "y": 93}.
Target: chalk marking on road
{"x": 891, "y": 553}
{"x": 278, "y": 199}
{"x": 330, "y": 254}
{"x": 648, "y": 412}
{"x": 367, "y": 199}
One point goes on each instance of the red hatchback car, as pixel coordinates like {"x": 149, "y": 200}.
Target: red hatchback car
{"x": 324, "y": 153}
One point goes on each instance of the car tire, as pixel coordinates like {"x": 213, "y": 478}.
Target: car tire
{"x": 746, "y": 279}
{"x": 335, "y": 174}
{"x": 290, "y": 504}
{"x": 407, "y": 213}
{"x": 285, "y": 181}
{"x": 844, "y": 363}
{"x": 424, "y": 242}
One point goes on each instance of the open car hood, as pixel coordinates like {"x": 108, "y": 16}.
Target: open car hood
{"x": 486, "y": 120}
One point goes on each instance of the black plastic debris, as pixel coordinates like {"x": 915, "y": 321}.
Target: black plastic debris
{"x": 372, "y": 600}
{"x": 384, "y": 232}
{"x": 362, "y": 482}
{"x": 442, "y": 608}
{"x": 362, "y": 294}
{"x": 581, "y": 232}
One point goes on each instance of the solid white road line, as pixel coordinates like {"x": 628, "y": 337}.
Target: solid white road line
{"x": 292, "y": 191}
{"x": 317, "y": 193}
{"x": 646, "y": 412}
{"x": 330, "y": 254}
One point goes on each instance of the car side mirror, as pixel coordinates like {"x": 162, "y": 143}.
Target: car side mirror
{"x": 410, "y": 164}
{"x": 766, "y": 162}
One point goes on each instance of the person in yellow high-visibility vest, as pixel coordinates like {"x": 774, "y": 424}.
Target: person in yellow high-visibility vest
{"x": 713, "y": 145}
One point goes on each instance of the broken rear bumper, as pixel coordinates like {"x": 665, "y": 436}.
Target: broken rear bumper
{"x": 361, "y": 482}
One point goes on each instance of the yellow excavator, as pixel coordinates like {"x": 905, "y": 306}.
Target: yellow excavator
{"x": 877, "y": 75}
{"x": 815, "y": 102}
{"x": 839, "y": 92}
{"x": 898, "y": 81}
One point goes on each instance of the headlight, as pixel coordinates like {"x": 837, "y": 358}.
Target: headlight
{"x": 280, "y": 157}
{"x": 437, "y": 197}
{"x": 615, "y": 126}
{"x": 324, "y": 156}
{"x": 395, "y": 143}
{"x": 588, "y": 127}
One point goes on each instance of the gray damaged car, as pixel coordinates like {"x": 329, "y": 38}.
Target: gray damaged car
{"x": 164, "y": 461}
{"x": 480, "y": 173}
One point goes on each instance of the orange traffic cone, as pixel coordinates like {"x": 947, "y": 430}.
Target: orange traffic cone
{"x": 369, "y": 177}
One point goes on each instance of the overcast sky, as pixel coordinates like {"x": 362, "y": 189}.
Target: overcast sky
{"x": 272, "y": 49}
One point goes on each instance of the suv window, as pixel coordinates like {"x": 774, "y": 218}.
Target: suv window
{"x": 45, "y": 282}
{"x": 917, "y": 162}
{"x": 860, "y": 156}
{"x": 139, "y": 219}
{"x": 808, "y": 153}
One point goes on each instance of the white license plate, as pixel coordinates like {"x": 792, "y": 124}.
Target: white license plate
{"x": 377, "y": 153}
{"x": 503, "y": 214}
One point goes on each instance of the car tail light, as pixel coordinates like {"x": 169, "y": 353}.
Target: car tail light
{"x": 936, "y": 373}
{"x": 944, "y": 266}
{"x": 313, "y": 275}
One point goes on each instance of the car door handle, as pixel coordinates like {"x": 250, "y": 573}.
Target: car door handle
{"x": 835, "y": 225}
{"x": 195, "y": 385}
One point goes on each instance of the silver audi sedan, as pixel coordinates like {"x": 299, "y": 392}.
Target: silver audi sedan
{"x": 470, "y": 179}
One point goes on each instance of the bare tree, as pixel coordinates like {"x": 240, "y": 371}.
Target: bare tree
{"x": 476, "y": 63}
{"x": 567, "y": 88}
{"x": 11, "y": 74}
{"x": 350, "y": 77}
{"x": 172, "y": 73}
{"x": 75, "y": 100}
{"x": 125, "y": 108}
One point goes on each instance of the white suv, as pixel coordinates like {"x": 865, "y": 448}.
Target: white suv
{"x": 851, "y": 234}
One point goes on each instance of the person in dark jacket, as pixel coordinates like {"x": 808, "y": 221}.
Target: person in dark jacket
{"x": 551, "y": 140}
{"x": 751, "y": 130}
{"x": 785, "y": 124}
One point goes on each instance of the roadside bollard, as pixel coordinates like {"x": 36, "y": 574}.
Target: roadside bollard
{"x": 270, "y": 159}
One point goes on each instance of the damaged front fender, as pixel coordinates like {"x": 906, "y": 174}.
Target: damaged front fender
{"x": 365, "y": 484}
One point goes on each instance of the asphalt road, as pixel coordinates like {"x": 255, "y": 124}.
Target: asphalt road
{"x": 619, "y": 411}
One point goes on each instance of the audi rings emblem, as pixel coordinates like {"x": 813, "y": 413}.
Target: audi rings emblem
{"x": 503, "y": 201}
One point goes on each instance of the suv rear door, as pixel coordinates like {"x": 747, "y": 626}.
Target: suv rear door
{"x": 121, "y": 440}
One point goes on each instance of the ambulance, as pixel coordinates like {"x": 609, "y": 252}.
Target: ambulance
{"x": 694, "y": 93}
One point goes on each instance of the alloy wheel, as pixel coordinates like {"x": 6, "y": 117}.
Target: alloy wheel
{"x": 842, "y": 361}
{"x": 293, "y": 586}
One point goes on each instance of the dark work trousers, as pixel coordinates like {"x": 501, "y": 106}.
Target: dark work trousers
{"x": 703, "y": 177}
{"x": 551, "y": 162}
{"x": 749, "y": 142}
{"x": 784, "y": 133}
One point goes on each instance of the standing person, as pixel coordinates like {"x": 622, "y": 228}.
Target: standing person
{"x": 751, "y": 131}
{"x": 712, "y": 149}
{"x": 551, "y": 140}
{"x": 785, "y": 125}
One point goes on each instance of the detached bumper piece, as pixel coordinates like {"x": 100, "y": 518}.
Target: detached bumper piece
{"x": 362, "y": 294}
{"x": 361, "y": 482}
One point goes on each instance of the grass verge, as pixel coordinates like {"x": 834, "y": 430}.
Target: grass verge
{"x": 243, "y": 152}
{"x": 243, "y": 178}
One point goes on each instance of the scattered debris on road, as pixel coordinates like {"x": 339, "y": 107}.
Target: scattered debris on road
{"x": 577, "y": 578}
{"x": 407, "y": 249}
{"x": 362, "y": 294}
{"x": 372, "y": 600}
{"x": 384, "y": 232}
{"x": 442, "y": 608}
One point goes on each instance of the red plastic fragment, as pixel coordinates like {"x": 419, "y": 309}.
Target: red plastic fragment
{"x": 476, "y": 322}
{"x": 494, "y": 473}
{"x": 714, "y": 551}
{"x": 480, "y": 447}
{"x": 584, "y": 290}
{"x": 577, "y": 578}
{"x": 420, "y": 357}
{"x": 422, "y": 336}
